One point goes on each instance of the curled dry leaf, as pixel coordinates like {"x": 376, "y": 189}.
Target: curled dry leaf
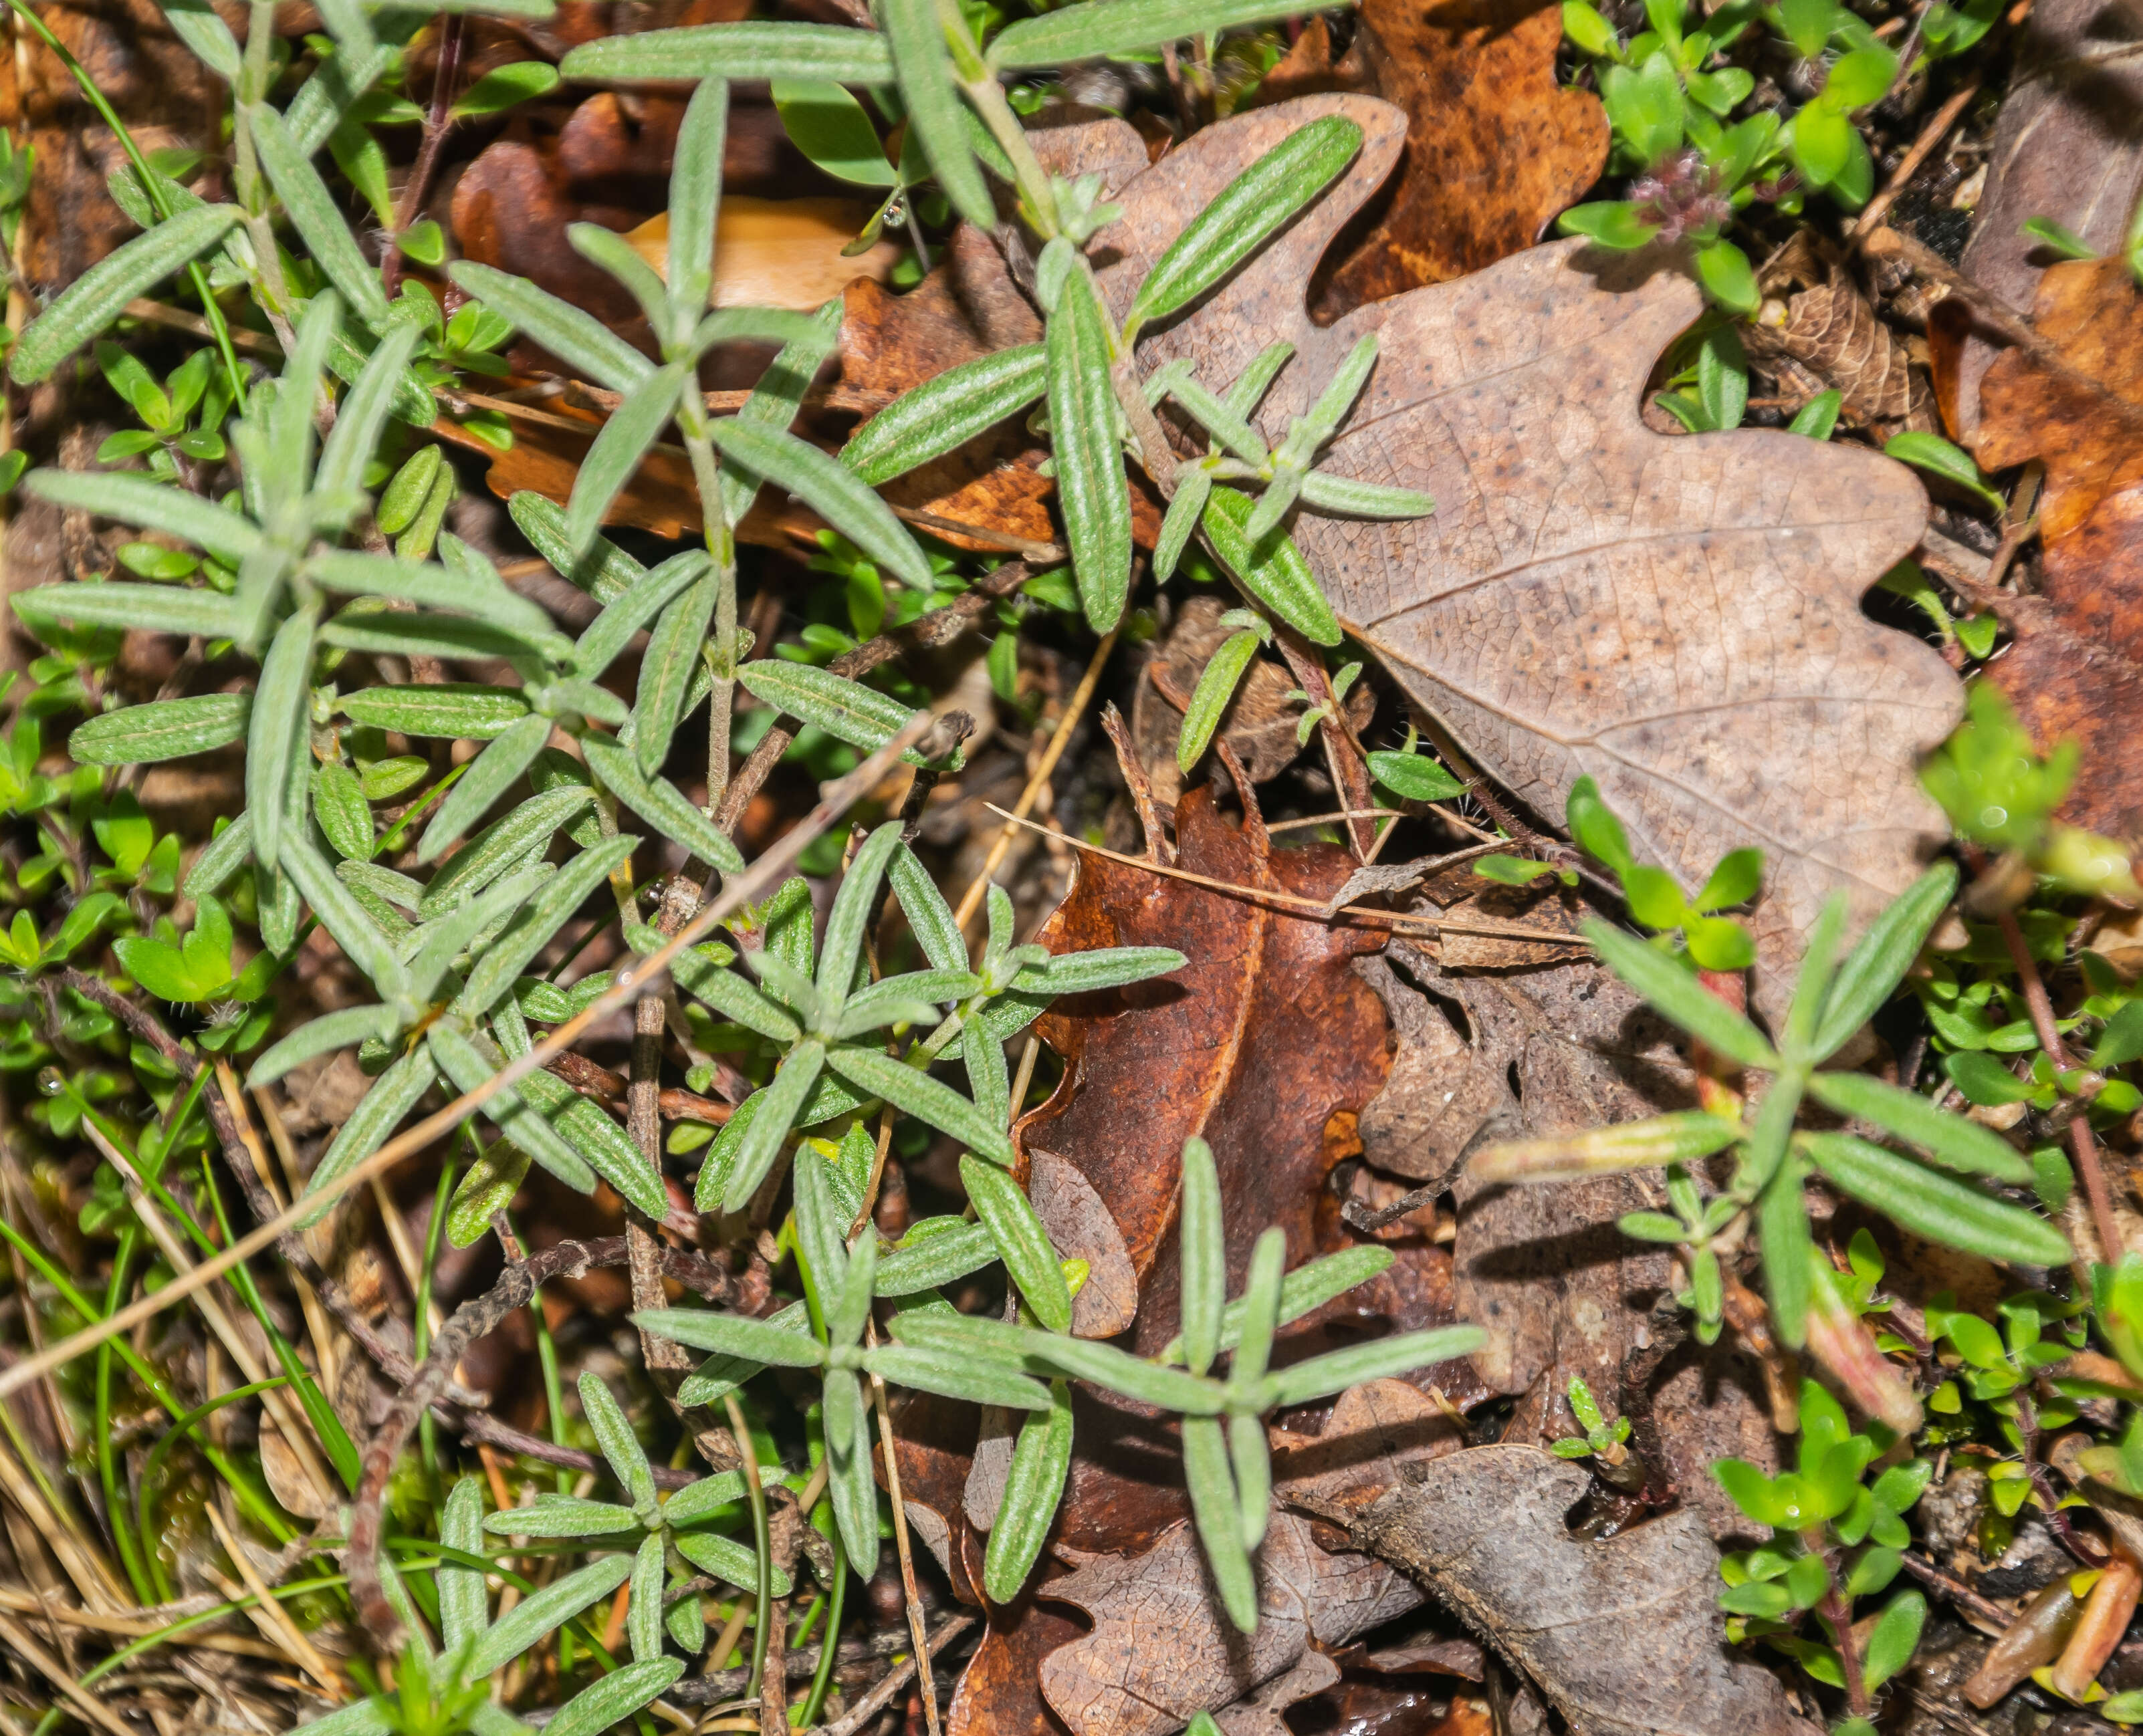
{"x": 1495, "y": 146}
{"x": 1483, "y": 1530}
{"x": 1162, "y": 1648}
{"x": 1080, "y": 1225}
{"x": 1589, "y": 597}
{"x": 1544, "y": 1270}
{"x": 2076, "y": 668}
{"x": 1817, "y": 331}
{"x": 778, "y": 253}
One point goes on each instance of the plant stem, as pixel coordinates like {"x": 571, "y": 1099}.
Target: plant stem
{"x": 1839, "y": 1614}
{"x": 438, "y": 122}
{"x": 762, "y": 1541}
{"x": 2081, "y": 1142}
{"x": 721, "y": 546}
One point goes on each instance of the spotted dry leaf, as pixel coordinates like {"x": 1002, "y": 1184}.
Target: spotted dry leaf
{"x": 1679, "y": 618}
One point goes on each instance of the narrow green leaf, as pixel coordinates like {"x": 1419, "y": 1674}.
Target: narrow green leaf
{"x": 161, "y": 729}
{"x": 1344, "y": 495}
{"x": 89, "y": 304}
{"x": 490, "y": 774}
{"x": 150, "y": 608}
{"x": 280, "y": 737}
{"x": 1090, "y": 489}
{"x": 927, "y": 1262}
{"x": 344, "y": 815}
{"x": 471, "y": 1069}
{"x": 315, "y": 214}
{"x": 536, "y": 1616}
{"x": 738, "y": 52}
{"x": 1874, "y": 968}
{"x": 1951, "y": 1140}
{"x": 1109, "y": 27}
{"x": 606, "y": 571}
{"x": 608, "y": 465}
{"x": 616, "y": 1697}
{"x": 512, "y": 953}
{"x": 331, "y": 1031}
{"x": 1274, "y": 572}
{"x": 363, "y": 412}
{"x": 955, "y": 1376}
{"x": 944, "y": 413}
{"x": 779, "y": 1106}
{"x": 1244, "y": 214}
{"x": 666, "y": 668}
{"x": 1932, "y": 1205}
{"x": 1260, "y": 1314}
{"x": 1203, "y": 1252}
{"x": 779, "y": 395}
{"x": 1033, "y": 1486}
{"x": 562, "y": 1515}
{"x": 832, "y": 490}
{"x": 929, "y": 88}
{"x": 463, "y": 1602}
{"x": 1023, "y": 1245}
{"x": 854, "y": 906}
{"x": 1209, "y": 702}
{"x": 696, "y": 195}
{"x": 135, "y": 499}
{"x": 612, "y": 632}
{"x": 659, "y": 802}
{"x": 487, "y": 1186}
{"x": 619, "y": 1444}
{"x": 726, "y": 1559}
{"x": 458, "y": 710}
{"x": 1320, "y": 1377}
{"x": 845, "y": 709}
{"x": 579, "y": 340}
{"x": 506, "y": 842}
{"x": 907, "y": 1088}
{"x": 391, "y": 1095}
{"x": 1194, "y": 487}
{"x": 604, "y": 1145}
{"x": 1216, "y": 1506}
{"x": 847, "y": 1418}
{"x": 1677, "y": 994}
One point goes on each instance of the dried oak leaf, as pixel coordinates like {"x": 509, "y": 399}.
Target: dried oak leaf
{"x": 1817, "y": 331}
{"x": 2075, "y": 670}
{"x": 1678, "y": 618}
{"x": 1495, "y": 146}
{"x": 1545, "y": 1271}
{"x": 1162, "y": 1649}
{"x": 2068, "y": 145}
{"x": 1622, "y": 1636}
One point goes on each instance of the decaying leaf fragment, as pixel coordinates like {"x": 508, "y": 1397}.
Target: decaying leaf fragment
{"x": 2076, "y": 668}
{"x": 1622, "y": 1636}
{"x": 1678, "y": 617}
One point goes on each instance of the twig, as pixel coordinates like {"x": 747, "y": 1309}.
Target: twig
{"x": 971, "y": 899}
{"x": 1158, "y": 848}
{"x": 858, "y": 1716}
{"x": 438, "y": 121}
{"x": 1980, "y": 1610}
{"x": 906, "y": 1554}
{"x": 1908, "y": 165}
{"x": 1343, "y": 754}
{"x": 766, "y": 873}
{"x": 20, "y": 1642}
{"x": 472, "y": 1320}
{"x": 1400, "y": 922}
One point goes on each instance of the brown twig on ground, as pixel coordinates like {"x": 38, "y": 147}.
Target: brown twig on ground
{"x": 917, "y": 1628}
{"x": 1965, "y": 1599}
{"x": 1908, "y": 165}
{"x": 593, "y": 1080}
{"x": 1158, "y": 847}
{"x": 938, "y": 627}
{"x": 1343, "y": 753}
{"x": 438, "y": 121}
{"x": 472, "y": 1320}
{"x": 859, "y": 1716}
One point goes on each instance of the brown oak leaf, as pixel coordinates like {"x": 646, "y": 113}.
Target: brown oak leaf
{"x": 2075, "y": 670}
{"x": 1678, "y": 618}
{"x": 1496, "y": 144}
{"x": 1622, "y": 1636}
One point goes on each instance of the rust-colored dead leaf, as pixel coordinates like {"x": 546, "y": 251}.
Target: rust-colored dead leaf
{"x": 1678, "y": 618}
{"x": 778, "y": 253}
{"x": 1622, "y": 1636}
{"x": 1161, "y": 1649}
{"x": 1496, "y": 147}
{"x": 2068, "y": 145}
{"x": 2076, "y": 667}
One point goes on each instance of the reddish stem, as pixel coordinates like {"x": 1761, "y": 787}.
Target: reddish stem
{"x": 438, "y": 121}
{"x": 2080, "y": 1140}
